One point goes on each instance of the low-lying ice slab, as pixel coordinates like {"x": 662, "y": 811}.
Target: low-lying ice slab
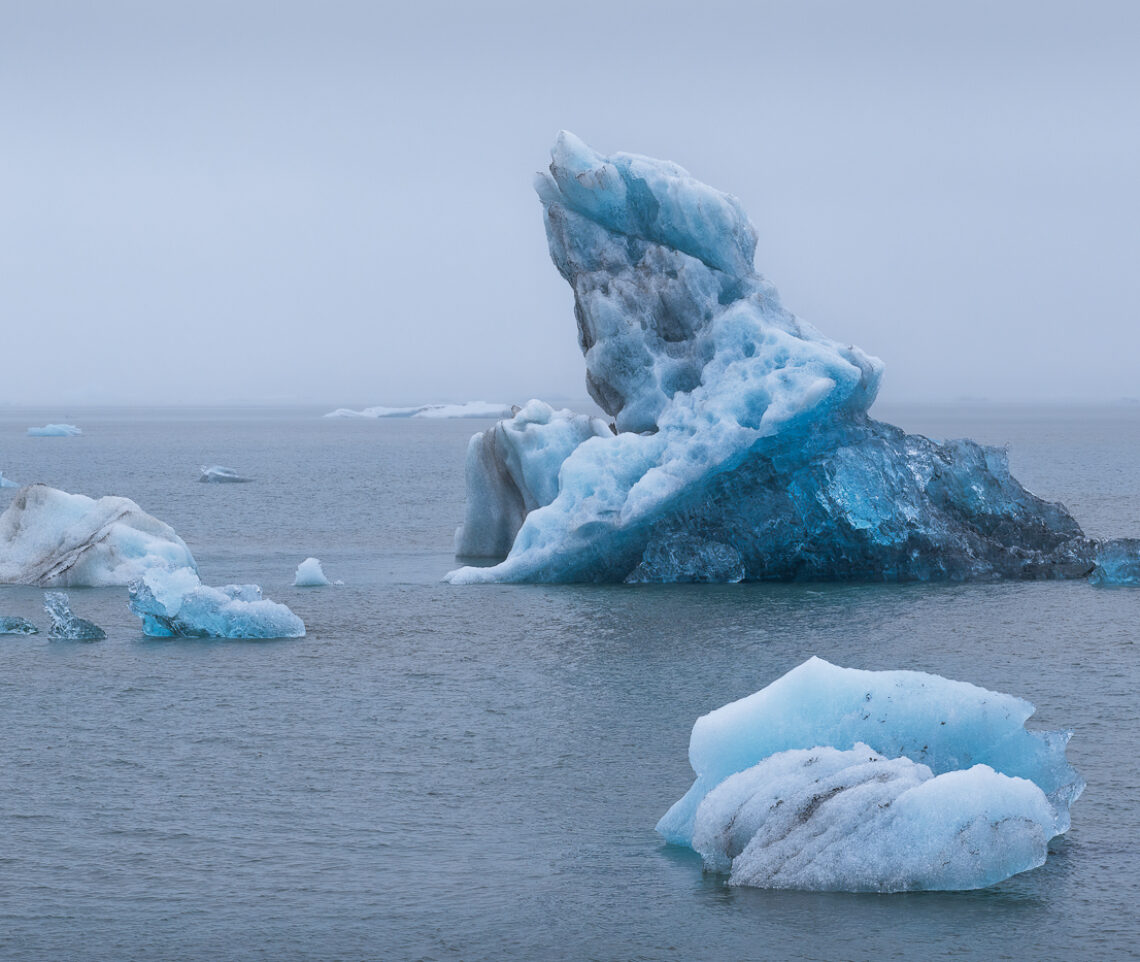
{"x": 469, "y": 409}
{"x": 17, "y": 626}
{"x": 743, "y": 448}
{"x": 55, "y": 431}
{"x": 842, "y": 779}
{"x": 175, "y": 603}
{"x": 310, "y": 575}
{"x": 7, "y": 482}
{"x": 64, "y": 625}
{"x": 218, "y": 474}
{"x": 53, "y": 539}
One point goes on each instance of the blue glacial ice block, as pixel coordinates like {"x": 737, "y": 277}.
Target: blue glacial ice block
{"x": 64, "y": 625}
{"x": 1117, "y": 563}
{"x": 804, "y": 742}
{"x": 175, "y": 603}
{"x": 55, "y": 431}
{"x": 743, "y": 447}
{"x": 17, "y": 626}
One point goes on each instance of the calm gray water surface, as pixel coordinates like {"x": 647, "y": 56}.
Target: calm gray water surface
{"x": 474, "y": 773}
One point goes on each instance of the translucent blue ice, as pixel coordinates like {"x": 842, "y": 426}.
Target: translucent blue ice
{"x": 826, "y": 779}
{"x": 176, "y": 603}
{"x": 7, "y": 482}
{"x": 1117, "y": 563}
{"x": 64, "y": 624}
{"x": 17, "y": 626}
{"x": 743, "y": 449}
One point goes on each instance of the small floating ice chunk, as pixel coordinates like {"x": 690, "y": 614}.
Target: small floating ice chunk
{"x": 217, "y": 474}
{"x": 1117, "y": 563}
{"x": 470, "y": 409}
{"x": 310, "y": 575}
{"x": 176, "y": 603}
{"x": 64, "y": 624}
{"x": 55, "y": 431}
{"x": 784, "y": 797}
{"x": 52, "y": 539}
{"x": 17, "y": 626}
{"x": 7, "y": 482}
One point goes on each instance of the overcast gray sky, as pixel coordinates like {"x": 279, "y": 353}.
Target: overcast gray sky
{"x": 331, "y": 201}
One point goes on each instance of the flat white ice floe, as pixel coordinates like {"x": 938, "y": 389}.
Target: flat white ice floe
{"x": 55, "y": 431}
{"x": 847, "y": 780}
{"x": 175, "y": 603}
{"x": 310, "y": 575}
{"x": 53, "y": 539}
{"x": 470, "y": 409}
{"x": 219, "y": 474}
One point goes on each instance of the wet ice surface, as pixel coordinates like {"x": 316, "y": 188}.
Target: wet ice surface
{"x": 472, "y": 774}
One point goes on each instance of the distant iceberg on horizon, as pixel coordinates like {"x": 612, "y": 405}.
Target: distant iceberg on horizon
{"x": 55, "y": 431}
{"x": 740, "y": 446}
{"x": 468, "y": 409}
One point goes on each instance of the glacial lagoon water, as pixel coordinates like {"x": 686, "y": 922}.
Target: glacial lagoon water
{"x": 438, "y": 772}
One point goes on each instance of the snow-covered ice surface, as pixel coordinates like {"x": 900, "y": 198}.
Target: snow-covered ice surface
{"x": 218, "y": 474}
{"x": 175, "y": 603}
{"x": 469, "y": 409}
{"x": 512, "y": 469}
{"x": 52, "y": 539}
{"x": 55, "y": 431}
{"x": 64, "y": 624}
{"x": 310, "y": 574}
{"x": 17, "y": 626}
{"x": 744, "y": 448}
{"x": 843, "y": 779}
{"x": 7, "y": 482}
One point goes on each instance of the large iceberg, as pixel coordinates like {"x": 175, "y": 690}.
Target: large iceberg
{"x": 175, "y": 603}
{"x": 65, "y": 625}
{"x": 53, "y": 539}
{"x": 743, "y": 448}
{"x": 837, "y": 778}
{"x": 55, "y": 431}
{"x": 468, "y": 409}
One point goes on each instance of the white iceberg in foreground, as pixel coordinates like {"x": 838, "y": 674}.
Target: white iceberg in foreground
{"x": 53, "y": 539}
{"x": 310, "y": 575}
{"x": 7, "y": 482}
{"x": 219, "y": 474}
{"x": 842, "y": 779}
{"x": 470, "y": 409}
{"x": 64, "y": 625}
{"x": 175, "y": 603}
{"x": 55, "y": 431}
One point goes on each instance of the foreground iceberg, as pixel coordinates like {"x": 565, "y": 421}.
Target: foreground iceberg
{"x": 469, "y": 409}
{"x": 55, "y": 431}
{"x": 842, "y": 779}
{"x": 310, "y": 575}
{"x": 217, "y": 474}
{"x": 17, "y": 626}
{"x": 53, "y": 539}
{"x": 743, "y": 446}
{"x": 64, "y": 624}
{"x": 7, "y": 482}
{"x": 176, "y": 603}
